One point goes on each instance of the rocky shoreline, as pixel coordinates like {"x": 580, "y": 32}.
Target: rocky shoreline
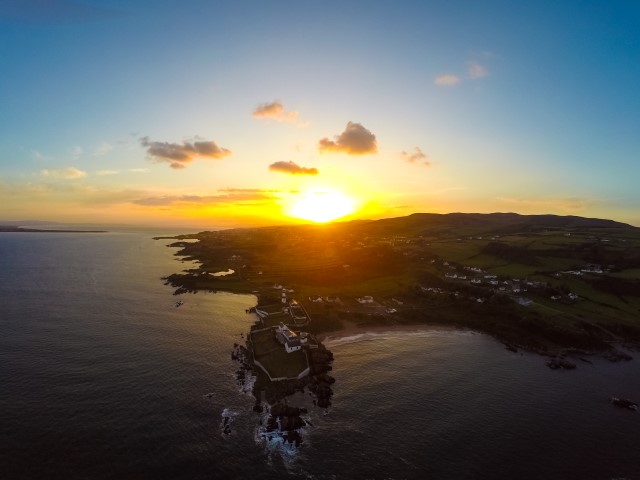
{"x": 273, "y": 398}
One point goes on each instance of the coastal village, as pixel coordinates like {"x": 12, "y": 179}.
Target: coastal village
{"x": 563, "y": 291}
{"x": 555, "y": 282}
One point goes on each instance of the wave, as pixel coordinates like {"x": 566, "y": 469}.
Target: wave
{"x": 228, "y": 416}
{"x": 275, "y": 442}
{"x": 391, "y": 334}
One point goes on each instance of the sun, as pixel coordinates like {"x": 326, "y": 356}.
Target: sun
{"x": 322, "y": 206}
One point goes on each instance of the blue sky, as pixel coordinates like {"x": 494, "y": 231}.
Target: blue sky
{"x": 500, "y": 106}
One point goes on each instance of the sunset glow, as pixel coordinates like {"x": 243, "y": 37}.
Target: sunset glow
{"x": 219, "y": 126}
{"x": 322, "y": 206}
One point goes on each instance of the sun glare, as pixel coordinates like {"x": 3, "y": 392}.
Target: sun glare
{"x": 322, "y": 206}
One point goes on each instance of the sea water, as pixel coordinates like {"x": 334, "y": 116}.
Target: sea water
{"x": 102, "y": 376}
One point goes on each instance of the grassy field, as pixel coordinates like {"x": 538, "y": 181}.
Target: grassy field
{"x": 631, "y": 274}
{"x": 272, "y": 355}
{"x": 398, "y": 257}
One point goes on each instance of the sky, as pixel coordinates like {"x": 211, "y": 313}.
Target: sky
{"x": 242, "y": 113}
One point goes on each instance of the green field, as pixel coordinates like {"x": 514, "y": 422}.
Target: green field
{"x": 272, "y": 355}
{"x": 405, "y": 256}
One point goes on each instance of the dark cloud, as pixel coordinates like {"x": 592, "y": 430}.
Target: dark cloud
{"x": 415, "y": 156}
{"x": 355, "y": 140}
{"x": 179, "y": 155}
{"x": 292, "y": 168}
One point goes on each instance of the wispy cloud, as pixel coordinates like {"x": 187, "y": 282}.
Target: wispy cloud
{"x": 292, "y": 168}
{"x": 103, "y": 173}
{"x": 355, "y": 140}
{"x": 477, "y": 70}
{"x": 275, "y": 111}
{"x": 203, "y": 200}
{"x": 69, "y": 173}
{"x": 247, "y": 190}
{"x": 39, "y": 156}
{"x": 447, "y": 80}
{"x": 76, "y": 152}
{"x": 102, "y": 149}
{"x": 179, "y": 155}
{"x": 138, "y": 170}
{"x": 415, "y": 156}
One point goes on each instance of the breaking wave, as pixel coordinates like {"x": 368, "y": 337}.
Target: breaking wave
{"x": 390, "y": 334}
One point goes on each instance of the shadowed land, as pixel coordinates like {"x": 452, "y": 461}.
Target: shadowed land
{"x": 541, "y": 282}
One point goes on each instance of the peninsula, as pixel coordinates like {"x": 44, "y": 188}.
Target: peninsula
{"x": 540, "y": 282}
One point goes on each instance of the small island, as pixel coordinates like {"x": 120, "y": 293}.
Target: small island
{"x": 550, "y": 284}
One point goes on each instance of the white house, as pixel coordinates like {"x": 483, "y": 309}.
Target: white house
{"x": 288, "y": 338}
{"x": 365, "y": 299}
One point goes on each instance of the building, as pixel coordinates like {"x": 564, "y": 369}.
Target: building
{"x": 288, "y": 338}
{"x": 365, "y": 299}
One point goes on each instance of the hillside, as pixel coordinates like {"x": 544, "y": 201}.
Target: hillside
{"x": 541, "y": 281}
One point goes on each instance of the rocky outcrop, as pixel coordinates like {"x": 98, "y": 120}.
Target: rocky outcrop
{"x": 615, "y": 355}
{"x": 286, "y": 421}
{"x": 556, "y": 363}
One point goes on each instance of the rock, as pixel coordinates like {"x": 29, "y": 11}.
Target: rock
{"x": 510, "y": 347}
{"x": 624, "y": 403}
{"x": 614, "y": 355}
{"x": 556, "y": 363}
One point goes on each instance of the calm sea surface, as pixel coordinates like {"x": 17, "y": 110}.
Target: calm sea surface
{"x": 102, "y": 377}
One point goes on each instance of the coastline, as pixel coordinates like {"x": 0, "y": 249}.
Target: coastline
{"x": 352, "y": 329}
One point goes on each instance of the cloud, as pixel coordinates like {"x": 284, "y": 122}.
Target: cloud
{"x": 292, "y": 168}
{"x": 38, "y": 156}
{"x": 274, "y": 111}
{"x": 138, "y": 170}
{"x": 179, "y": 155}
{"x": 355, "y": 140}
{"x": 103, "y": 173}
{"x": 447, "y": 80}
{"x": 247, "y": 190}
{"x": 416, "y": 155}
{"x": 477, "y": 71}
{"x": 69, "y": 173}
{"x": 102, "y": 149}
{"x": 204, "y": 200}
{"x": 76, "y": 152}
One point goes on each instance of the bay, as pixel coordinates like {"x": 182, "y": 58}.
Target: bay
{"x": 103, "y": 377}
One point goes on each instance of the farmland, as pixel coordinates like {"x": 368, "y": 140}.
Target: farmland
{"x": 540, "y": 281}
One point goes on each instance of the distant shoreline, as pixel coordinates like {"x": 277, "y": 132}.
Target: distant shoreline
{"x": 12, "y": 229}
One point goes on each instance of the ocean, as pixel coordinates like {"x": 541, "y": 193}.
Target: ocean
{"x": 103, "y": 377}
